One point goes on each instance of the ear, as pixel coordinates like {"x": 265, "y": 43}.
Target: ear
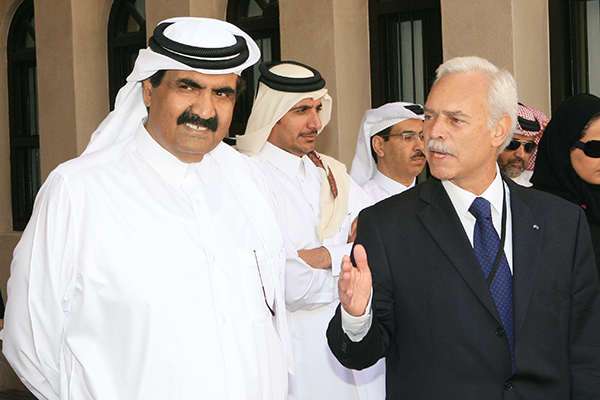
{"x": 501, "y": 130}
{"x": 147, "y": 92}
{"x": 378, "y": 144}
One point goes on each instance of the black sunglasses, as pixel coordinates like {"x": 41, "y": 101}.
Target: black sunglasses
{"x": 591, "y": 148}
{"x": 516, "y": 143}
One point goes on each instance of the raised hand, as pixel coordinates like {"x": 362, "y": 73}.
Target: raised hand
{"x": 354, "y": 285}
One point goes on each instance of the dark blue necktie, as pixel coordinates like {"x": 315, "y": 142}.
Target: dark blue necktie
{"x": 486, "y": 244}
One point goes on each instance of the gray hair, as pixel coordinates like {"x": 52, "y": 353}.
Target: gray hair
{"x": 502, "y": 93}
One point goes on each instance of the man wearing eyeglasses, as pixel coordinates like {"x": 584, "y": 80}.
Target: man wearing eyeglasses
{"x": 518, "y": 158}
{"x": 389, "y": 152}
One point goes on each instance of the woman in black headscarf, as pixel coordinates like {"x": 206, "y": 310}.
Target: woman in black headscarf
{"x": 568, "y": 160}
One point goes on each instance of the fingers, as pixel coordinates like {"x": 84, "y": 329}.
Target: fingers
{"x": 345, "y": 279}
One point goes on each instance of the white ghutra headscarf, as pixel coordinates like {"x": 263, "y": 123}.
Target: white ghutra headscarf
{"x": 373, "y": 122}
{"x": 204, "y": 45}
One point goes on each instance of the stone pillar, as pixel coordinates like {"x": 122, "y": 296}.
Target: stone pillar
{"x": 158, "y": 10}
{"x": 333, "y": 38}
{"x": 512, "y": 34}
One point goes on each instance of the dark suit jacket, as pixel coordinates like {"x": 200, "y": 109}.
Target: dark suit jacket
{"x": 434, "y": 317}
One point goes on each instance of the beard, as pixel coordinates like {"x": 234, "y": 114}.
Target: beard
{"x": 513, "y": 170}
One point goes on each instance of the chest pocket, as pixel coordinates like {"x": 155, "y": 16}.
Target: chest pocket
{"x": 257, "y": 283}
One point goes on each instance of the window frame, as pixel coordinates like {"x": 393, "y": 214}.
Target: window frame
{"x": 383, "y": 85}
{"x": 123, "y": 48}
{"x": 258, "y": 27}
{"x": 23, "y": 115}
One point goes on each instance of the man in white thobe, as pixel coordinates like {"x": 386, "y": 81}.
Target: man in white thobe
{"x": 153, "y": 265}
{"x": 389, "y": 151}
{"x": 319, "y": 202}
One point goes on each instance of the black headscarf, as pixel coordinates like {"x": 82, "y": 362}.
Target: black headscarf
{"x": 553, "y": 171}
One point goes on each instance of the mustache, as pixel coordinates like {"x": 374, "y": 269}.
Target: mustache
{"x": 439, "y": 146}
{"x": 187, "y": 117}
{"x": 311, "y": 132}
{"x": 512, "y": 160}
{"x": 418, "y": 154}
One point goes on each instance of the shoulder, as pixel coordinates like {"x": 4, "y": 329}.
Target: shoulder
{"x": 542, "y": 201}
{"x": 405, "y": 205}
{"x": 93, "y": 161}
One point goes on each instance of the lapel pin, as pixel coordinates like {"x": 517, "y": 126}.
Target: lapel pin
{"x": 536, "y": 227}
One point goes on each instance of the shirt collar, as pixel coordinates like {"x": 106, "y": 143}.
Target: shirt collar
{"x": 390, "y": 185}
{"x": 462, "y": 199}
{"x": 166, "y": 164}
{"x": 284, "y": 161}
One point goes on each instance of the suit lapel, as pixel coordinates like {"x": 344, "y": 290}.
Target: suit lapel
{"x": 440, "y": 219}
{"x": 527, "y": 231}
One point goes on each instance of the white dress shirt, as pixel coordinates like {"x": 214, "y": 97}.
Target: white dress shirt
{"x": 524, "y": 179}
{"x": 312, "y": 294}
{"x": 141, "y": 277}
{"x": 381, "y": 187}
{"x": 357, "y": 327}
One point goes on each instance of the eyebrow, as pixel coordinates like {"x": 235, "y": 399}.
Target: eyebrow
{"x": 196, "y": 85}
{"x": 190, "y": 83}
{"x": 407, "y": 131}
{"x": 455, "y": 113}
{"x": 304, "y": 107}
{"x": 447, "y": 113}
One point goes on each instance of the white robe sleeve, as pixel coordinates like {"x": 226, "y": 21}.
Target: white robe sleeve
{"x": 358, "y": 199}
{"x": 41, "y": 271}
{"x": 308, "y": 288}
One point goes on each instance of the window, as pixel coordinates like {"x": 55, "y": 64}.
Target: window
{"x": 406, "y": 49}
{"x": 23, "y": 114}
{"x": 260, "y": 20}
{"x": 126, "y": 36}
{"x": 574, "y": 48}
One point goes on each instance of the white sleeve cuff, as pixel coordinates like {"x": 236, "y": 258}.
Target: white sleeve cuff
{"x": 357, "y": 327}
{"x": 337, "y": 252}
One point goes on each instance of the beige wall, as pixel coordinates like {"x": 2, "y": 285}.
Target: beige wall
{"x": 332, "y": 38}
{"x": 330, "y": 35}
{"x": 532, "y": 53}
{"x": 8, "y": 379}
{"x": 513, "y": 34}
{"x": 158, "y": 10}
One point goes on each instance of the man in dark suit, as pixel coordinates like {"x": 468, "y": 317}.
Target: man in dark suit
{"x": 456, "y": 317}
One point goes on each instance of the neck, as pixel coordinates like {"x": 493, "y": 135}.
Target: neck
{"x": 479, "y": 184}
{"x": 402, "y": 178}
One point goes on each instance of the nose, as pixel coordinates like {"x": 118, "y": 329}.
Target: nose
{"x": 433, "y": 128}
{"x": 204, "y": 105}
{"x": 314, "y": 120}
{"x": 419, "y": 144}
{"x": 520, "y": 152}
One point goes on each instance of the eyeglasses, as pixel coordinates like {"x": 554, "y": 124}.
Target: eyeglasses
{"x": 407, "y": 137}
{"x": 516, "y": 143}
{"x": 263, "y": 285}
{"x": 591, "y": 148}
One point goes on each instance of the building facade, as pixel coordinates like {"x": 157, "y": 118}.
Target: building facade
{"x": 72, "y": 78}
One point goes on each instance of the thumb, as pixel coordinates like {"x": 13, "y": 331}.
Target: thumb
{"x": 360, "y": 257}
